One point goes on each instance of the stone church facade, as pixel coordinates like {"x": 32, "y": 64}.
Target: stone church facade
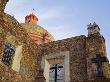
{"x": 74, "y": 59}
{"x": 76, "y": 54}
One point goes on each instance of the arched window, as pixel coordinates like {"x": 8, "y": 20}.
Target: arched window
{"x": 9, "y": 51}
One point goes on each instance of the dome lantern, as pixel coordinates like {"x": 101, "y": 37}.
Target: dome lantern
{"x": 31, "y": 19}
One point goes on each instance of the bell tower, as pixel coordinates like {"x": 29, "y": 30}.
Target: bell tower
{"x": 31, "y": 19}
{"x": 3, "y": 4}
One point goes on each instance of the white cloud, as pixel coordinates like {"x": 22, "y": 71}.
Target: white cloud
{"x": 51, "y": 13}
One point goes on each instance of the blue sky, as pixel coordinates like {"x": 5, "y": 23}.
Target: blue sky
{"x": 65, "y": 18}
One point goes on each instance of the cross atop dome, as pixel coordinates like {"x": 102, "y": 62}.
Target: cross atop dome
{"x": 33, "y": 11}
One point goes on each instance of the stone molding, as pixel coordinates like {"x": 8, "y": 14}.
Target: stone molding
{"x": 65, "y": 56}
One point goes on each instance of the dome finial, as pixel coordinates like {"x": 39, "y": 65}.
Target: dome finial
{"x": 33, "y": 10}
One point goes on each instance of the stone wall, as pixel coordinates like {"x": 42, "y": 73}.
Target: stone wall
{"x": 11, "y": 31}
{"x": 76, "y": 48}
{"x": 8, "y": 75}
{"x": 81, "y": 50}
{"x": 95, "y": 44}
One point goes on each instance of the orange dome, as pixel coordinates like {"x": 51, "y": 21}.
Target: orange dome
{"x": 36, "y": 32}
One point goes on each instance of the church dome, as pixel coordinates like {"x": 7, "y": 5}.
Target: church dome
{"x": 36, "y": 32}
